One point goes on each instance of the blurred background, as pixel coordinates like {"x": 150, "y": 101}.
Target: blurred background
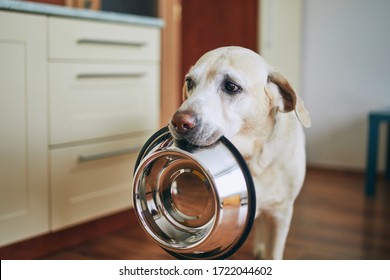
{"x": 335, "y": 54}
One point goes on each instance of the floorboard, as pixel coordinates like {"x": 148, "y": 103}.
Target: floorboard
{"x": 332, "y": 220}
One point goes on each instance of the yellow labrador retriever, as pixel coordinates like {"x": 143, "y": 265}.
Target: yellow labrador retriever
{"x": 232, "y": 91}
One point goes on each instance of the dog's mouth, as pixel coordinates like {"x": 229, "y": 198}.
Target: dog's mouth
{"x": 200, "y": 136}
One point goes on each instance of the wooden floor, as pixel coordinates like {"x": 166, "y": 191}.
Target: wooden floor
{"x": 332, "y": 220}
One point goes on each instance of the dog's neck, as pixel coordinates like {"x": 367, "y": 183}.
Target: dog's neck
{"x": 258, "y": 147}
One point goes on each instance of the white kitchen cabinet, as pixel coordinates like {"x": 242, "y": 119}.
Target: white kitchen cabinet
{"x": 92, "y": 180}
{"x": 81, "y": 39}
{"x": 95, "y": 100}
{"x": 24, "y": 192}
{"x": 104, "y": 100}
{"x": 78, "y": 99}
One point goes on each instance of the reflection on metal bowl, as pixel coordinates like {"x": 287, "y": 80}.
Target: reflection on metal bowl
{"x": 195, "y": 202}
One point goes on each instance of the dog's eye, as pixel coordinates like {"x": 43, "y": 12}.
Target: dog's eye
{"x": 189, "y": 83}
{"x": 231, "y": 88}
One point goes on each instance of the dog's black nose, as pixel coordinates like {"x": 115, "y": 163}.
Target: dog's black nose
{"x": 183, "y": 122}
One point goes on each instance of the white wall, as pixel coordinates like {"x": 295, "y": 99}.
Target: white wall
{"x": 280, "y": 36}
{"x": 345, "y": 73}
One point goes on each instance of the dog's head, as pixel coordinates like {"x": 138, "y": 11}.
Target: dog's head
{"x": 231, "y": 91}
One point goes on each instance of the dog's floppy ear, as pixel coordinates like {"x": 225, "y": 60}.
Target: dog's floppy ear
{"x": 289, "y": 99}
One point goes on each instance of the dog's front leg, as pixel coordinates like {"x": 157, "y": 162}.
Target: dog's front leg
{"x": 282, "y": 220}
{"x": 264, "y": 227}
{"x": 271, "y": 230}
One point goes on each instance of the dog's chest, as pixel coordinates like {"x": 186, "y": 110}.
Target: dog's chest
{"x": 277, "y": 184}
{"x": 272, "y": 189}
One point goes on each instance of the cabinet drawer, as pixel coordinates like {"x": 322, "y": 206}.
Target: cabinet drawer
{"x": 90, "y": 101}
{"x": 78, "y": 39}
{"x": 92, "y": 180}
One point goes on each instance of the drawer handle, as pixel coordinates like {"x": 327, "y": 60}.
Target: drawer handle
{"x": 111, "y": 154}
{"x": 109, "y": 75}
{"x": 111, "y": 42}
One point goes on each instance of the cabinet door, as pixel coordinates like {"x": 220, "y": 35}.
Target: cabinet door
{"x": 90, "y": 181}
{"x": 80, "y": 39}
{"x": 97, "y": 100}
{"x": 23, "y": 127}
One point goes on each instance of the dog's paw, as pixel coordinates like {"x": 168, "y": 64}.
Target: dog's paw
{"x": 259, "y": 252}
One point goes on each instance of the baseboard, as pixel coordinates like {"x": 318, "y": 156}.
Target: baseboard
{"x": 322, "y": 167}
{"x": 40, "y": 246}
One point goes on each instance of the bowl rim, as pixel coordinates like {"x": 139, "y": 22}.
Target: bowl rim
{"x": 163, "y": 134}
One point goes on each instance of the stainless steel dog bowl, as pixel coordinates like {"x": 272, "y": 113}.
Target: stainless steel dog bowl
{"x": 196, "y": 203}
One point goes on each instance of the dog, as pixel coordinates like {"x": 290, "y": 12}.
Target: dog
{"x": 233, "y": 92}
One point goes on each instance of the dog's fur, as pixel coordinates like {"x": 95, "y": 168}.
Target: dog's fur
{"x": 232, "y": 91}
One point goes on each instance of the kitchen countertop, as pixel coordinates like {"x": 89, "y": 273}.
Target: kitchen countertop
{"x": 63, "y": 11}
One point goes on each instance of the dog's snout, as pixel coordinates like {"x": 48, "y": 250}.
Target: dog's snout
{"x": 183, "y": 122}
